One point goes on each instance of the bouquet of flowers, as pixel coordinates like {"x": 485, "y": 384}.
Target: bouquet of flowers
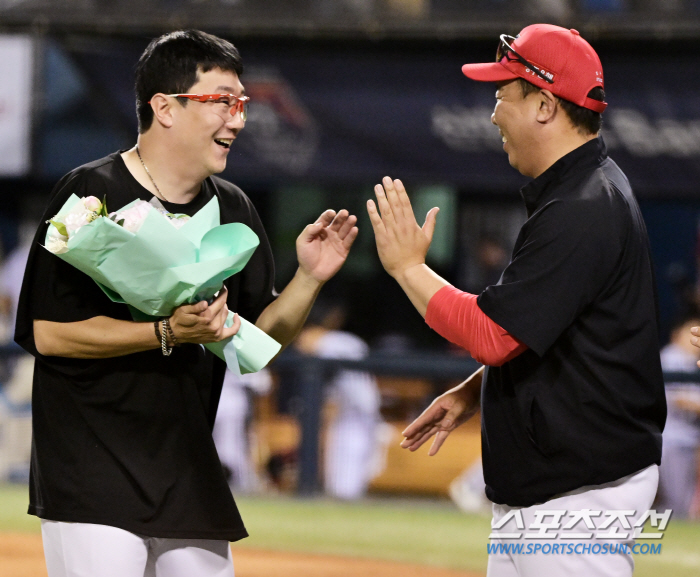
{"x": 154, "y": 261}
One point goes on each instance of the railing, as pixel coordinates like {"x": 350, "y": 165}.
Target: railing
{"x": 313, "y": 372}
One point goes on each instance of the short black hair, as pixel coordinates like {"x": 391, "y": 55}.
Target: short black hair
{"x": 171, "y": 63}
{"x": 585, "y": 120}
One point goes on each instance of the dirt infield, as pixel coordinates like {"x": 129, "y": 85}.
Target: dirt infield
{"x": 21, "y": 555}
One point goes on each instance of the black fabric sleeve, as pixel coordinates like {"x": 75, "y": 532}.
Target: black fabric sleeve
{"x": 52, "y": 289}
{"x": 565, "y": 256}
{"x": 257, "y": 288}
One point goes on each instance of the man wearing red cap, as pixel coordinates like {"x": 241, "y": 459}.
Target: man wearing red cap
{"x": 572, "y": 396}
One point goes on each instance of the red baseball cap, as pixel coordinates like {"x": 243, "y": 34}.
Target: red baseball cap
{"x": 567, "y": 60}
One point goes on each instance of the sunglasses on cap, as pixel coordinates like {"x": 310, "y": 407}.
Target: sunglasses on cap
{"x": 505, "y": 50}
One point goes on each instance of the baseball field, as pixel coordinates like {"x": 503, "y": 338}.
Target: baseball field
{"x": 391, "y": 537}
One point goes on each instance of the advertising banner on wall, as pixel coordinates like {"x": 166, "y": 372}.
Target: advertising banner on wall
{"x": 336, "y": 115}
{"x": 418, "y": 118}
{"x": 16, "y": 72}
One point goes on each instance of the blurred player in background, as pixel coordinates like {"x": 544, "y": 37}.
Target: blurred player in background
{"x": 232, "y": 434}
{"x": 351, "y": 442}
{"x": 572, "y": 397}
{"x": 18, "y": 371}
{"x": 11, "y": 275}
{"x": 678, "y": 480}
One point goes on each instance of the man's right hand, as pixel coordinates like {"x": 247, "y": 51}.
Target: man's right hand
{"x": 202, "y": 322}
{"x": 444, "y": 415}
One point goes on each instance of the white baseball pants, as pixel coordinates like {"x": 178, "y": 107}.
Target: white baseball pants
{"x": 634, "y": 492}
{"x": 87, "y": 550}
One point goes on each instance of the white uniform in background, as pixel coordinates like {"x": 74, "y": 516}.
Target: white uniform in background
{"x": 19, "y": 371}
{"x": 230, "y": 429}
{"x": 678, "y": 474}
{"x": 11, "y": 275}
{"x": 351, "y": 444}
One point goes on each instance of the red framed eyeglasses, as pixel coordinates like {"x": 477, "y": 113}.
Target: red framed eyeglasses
{"x": 235, "y": 103}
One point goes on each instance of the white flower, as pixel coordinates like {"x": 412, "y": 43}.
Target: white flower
{"x": 57, "y": 245}
{"x": 133, "y": 217}
{"x": 75, "y": 221}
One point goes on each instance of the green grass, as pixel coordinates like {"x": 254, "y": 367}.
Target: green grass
{"x": 680, "y": 553}
{"x": 13, "y": 510}
{"x": 431, "y": 533}
{"x": 407, "y": 530}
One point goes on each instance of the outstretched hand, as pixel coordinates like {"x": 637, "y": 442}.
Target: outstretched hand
{"x": 444, "y": 415}
{"x": 323, "y": 246}
{"x": 401, "y": 242}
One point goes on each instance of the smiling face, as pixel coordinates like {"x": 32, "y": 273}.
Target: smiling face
{"x": 206, "y": 130}
{"x": 515, "y": 117}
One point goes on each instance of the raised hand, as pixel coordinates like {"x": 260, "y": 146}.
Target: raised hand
{"x": 401, "y": 242}
{"x": 322, "y": 247}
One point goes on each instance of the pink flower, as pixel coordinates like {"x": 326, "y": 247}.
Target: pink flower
{"x": 92, "y": 203}
{"x": 134, "y": 216}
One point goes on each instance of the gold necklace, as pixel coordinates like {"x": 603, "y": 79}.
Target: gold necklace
{"x": 160, "y": 194}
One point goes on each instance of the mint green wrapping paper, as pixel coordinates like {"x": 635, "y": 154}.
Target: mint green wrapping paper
{"x": 161, "y": 267}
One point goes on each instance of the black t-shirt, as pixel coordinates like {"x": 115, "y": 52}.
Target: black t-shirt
{"x": 126, "y": 441}
{"x": 585, "y": 404}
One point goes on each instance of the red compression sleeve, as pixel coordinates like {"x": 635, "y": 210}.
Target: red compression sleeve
{"x": 456, "y": 316}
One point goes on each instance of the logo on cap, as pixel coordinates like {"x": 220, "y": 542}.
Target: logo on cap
{"x": 548, "y": 74}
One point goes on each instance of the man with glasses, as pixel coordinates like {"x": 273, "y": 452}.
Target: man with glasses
{"x": 572, "y": 396}
{"x": 124, "y": 475}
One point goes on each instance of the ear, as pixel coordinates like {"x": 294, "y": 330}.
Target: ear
{"x": 162, "y": 109}
{"x": 546, "y": 106}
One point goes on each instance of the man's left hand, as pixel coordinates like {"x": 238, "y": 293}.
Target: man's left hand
{"x": 322, "y": 247}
